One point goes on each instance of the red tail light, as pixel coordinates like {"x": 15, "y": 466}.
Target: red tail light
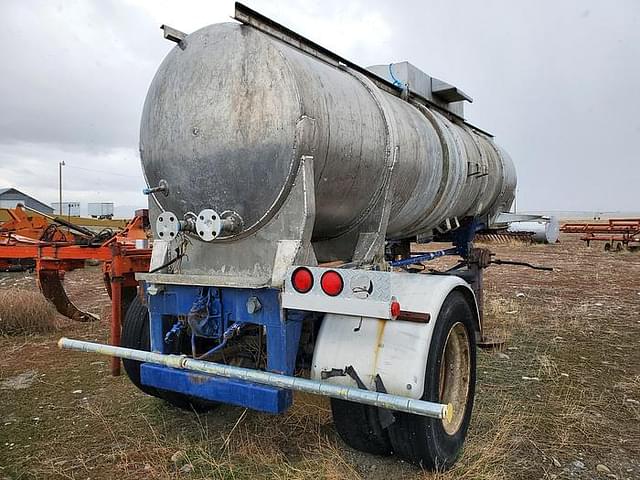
{"x": 331, "y": 283}
{"x": 395, "y": 308}
{"x": 302, "y": 280}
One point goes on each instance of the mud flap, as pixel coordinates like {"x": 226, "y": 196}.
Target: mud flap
{"x": 51, "y": 287}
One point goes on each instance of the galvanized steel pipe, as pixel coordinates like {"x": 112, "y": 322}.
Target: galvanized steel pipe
{"x": 367, "y": 397}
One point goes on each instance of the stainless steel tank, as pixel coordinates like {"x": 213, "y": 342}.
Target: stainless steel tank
{"x": 221, "y": 122}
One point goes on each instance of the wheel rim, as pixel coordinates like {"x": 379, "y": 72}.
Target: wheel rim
{"x": 455, "y": 374}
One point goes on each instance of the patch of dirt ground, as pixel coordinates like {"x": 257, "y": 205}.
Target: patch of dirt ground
{"x": 559, "y": 400}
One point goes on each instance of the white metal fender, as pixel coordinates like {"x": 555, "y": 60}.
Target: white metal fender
{"x": 394, "y": 349}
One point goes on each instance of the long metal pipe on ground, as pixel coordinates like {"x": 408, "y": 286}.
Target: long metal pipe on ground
{"x": 367, "y": 397}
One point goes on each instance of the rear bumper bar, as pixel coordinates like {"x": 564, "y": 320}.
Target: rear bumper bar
{"x": 367, "y": 397}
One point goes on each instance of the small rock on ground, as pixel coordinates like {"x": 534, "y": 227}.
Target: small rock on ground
{"x": 19, "y": 382}
{"x": 178, "y": 457}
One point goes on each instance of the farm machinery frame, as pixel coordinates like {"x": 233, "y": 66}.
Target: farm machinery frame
{"x": 617, "y": 234}
{"x": 52, "y": 251}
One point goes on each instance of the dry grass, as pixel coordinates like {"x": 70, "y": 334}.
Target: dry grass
{"x": 486, "y": 454}
{"x": 564, "y": 390}
{"x": 513, "y": 242}
{"x": 161, "y": 443}
{"x": 501, "y": 316}
{"x": 25, "y": 312}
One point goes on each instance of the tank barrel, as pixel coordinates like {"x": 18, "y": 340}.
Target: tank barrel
{"x": 236, "y": 144}
{"x": 376, "y": 399}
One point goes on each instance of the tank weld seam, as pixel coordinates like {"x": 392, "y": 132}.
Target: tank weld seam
{"x": 390, "y": 161}
{"x": 495, "y": 201}
{"x": 482, "y": 206}
{"x": 446, "y": 170}
{"x": 483, "y": 178}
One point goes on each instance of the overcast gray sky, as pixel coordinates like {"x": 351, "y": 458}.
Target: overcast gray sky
{"x": 555, "y": 81}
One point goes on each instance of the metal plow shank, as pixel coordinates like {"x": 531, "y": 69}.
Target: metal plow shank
{"x": 51, "y": 287}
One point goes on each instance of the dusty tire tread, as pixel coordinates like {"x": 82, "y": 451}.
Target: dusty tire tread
{"x": 135, "y": 334}
{"x": 359, "y": 427}
{"x": 421, "y": 440}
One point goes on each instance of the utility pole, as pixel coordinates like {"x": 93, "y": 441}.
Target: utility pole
{"x": 60, "y": 165}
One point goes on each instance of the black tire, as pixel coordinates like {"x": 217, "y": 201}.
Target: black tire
{"x": 422, "y": 440}
{"x": 360, "y": 427}
{"x": 129, "y": 294}
{"x": 135, "y": 334}
{"x": 185, "y": 402}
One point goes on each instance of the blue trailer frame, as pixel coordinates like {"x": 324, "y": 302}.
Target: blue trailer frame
{"x": 228, "y": 306}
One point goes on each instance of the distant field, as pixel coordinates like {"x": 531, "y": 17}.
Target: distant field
{"x": 585, "y": 215}
{"x": 560, "y": 400}
{"x": 82, "y": 221}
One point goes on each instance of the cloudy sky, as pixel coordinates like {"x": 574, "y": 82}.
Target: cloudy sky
{"x": 556, "y": 82}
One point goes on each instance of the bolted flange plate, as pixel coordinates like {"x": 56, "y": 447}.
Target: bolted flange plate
{"x": 167, "y": 226}
{"x": 208, "y": 225}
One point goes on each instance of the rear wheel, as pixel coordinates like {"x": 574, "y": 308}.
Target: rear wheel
{"x": 450, "y": 379}
{"x": 135, "y": 334}
{"x": 360, "y": 426}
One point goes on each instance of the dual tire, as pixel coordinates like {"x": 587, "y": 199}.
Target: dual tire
{"x": 450, "y": 377}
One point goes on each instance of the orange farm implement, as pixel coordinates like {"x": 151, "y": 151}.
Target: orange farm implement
{"x": 55, "y": 247}
{"x": 617, "y": 233}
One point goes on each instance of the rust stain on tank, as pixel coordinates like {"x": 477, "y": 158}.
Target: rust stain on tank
{"x": 378, "y": 344}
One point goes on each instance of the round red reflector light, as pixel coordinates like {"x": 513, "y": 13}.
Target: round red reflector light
{"x": 331, "y": 283}
{"x": 302, "y": 280}
{"x": 395, "y": 308}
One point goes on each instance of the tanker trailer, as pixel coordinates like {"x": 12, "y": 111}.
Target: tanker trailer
{"x": 286, "y": 186}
